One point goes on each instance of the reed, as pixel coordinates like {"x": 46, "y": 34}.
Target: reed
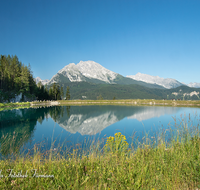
{"x": 157, "y": 163}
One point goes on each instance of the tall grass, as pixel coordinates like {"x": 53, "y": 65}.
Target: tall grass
{"x": 157, "y": 163}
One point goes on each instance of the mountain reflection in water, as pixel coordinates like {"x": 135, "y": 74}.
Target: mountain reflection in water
{"x": 92, "y": 120}
{"x": 20, "y": 126}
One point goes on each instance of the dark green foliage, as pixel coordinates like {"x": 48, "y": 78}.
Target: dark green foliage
{"x": 67, "y": 93}
{"x": 78, "y": 90}
{"x": 100, "y": 97}
{"x": 61, "y": 92}
{"x": 55, "y": 92}
{"x": 15, "y": 78}
{"x": 42, "y": 92}
{"x": 108, "y": 91}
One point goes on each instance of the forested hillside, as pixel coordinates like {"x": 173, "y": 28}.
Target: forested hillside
{"x": 85, "y": 90}
{"x": 17, "y": 78}
{"x": 14, "y": 75}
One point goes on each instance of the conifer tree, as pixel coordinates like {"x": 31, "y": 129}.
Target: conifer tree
{"x": 67, "y": 93}
{"x": 61, "y": 92}
{"x": 51, "y": 93}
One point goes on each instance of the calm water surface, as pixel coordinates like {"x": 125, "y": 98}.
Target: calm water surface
{"x": 67, "y": 126}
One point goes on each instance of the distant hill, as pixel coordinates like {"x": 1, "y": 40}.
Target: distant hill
{"x": 85, "y": 90}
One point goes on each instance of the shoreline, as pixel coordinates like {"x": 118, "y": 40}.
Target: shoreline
{"x": 45, "y": 103}
{"x": 133, "y": 102}
{"x": 130, "y": 102}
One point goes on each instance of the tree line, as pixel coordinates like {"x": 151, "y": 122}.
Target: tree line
{"x": 15, "y": 78}
{"x": 53, "y": 92}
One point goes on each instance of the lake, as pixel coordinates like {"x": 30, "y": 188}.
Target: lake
{"x": 70, "y": 127}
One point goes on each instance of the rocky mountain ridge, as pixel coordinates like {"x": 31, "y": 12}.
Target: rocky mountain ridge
{"x": 165, "y": 82}
{"x": 90, "y": 71}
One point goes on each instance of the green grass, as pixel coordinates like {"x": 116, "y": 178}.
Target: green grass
{"x": 14, "y": 104}
{"x": 132, "y": 102}
{"x": 135, "y": 102}
{"x": 154, "y": 164}
{"x": 7, "y": 106}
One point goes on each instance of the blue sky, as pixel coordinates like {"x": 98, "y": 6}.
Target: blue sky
{"x": 156, "y": 37}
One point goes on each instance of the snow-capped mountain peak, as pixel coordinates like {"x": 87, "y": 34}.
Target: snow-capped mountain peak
{"x": 167, "y": 83}
{"x": 83, "y": 70}
{"x": 68, "y": 68}
{"x": 38, "y": 79}
{"x": 92, "y": 69}
{"x": 194, "y": 85}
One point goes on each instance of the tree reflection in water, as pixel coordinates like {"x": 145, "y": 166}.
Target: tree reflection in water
{"x": 17, "y": 126}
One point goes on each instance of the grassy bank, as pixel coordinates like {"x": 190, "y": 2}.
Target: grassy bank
{"x": 5, "y": 106}
{"x": 132, "y": 102}
{"x": 9, "y": 106}
{"x": 155, "y": 164}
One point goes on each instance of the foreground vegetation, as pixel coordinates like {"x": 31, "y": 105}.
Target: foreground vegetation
{"x": 155, "y": 164}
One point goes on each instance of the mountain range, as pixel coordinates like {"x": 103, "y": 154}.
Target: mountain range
{"x": 89, "y": 80}
{"x": 165, "y": 82}
{"x": 90, "y": 71}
